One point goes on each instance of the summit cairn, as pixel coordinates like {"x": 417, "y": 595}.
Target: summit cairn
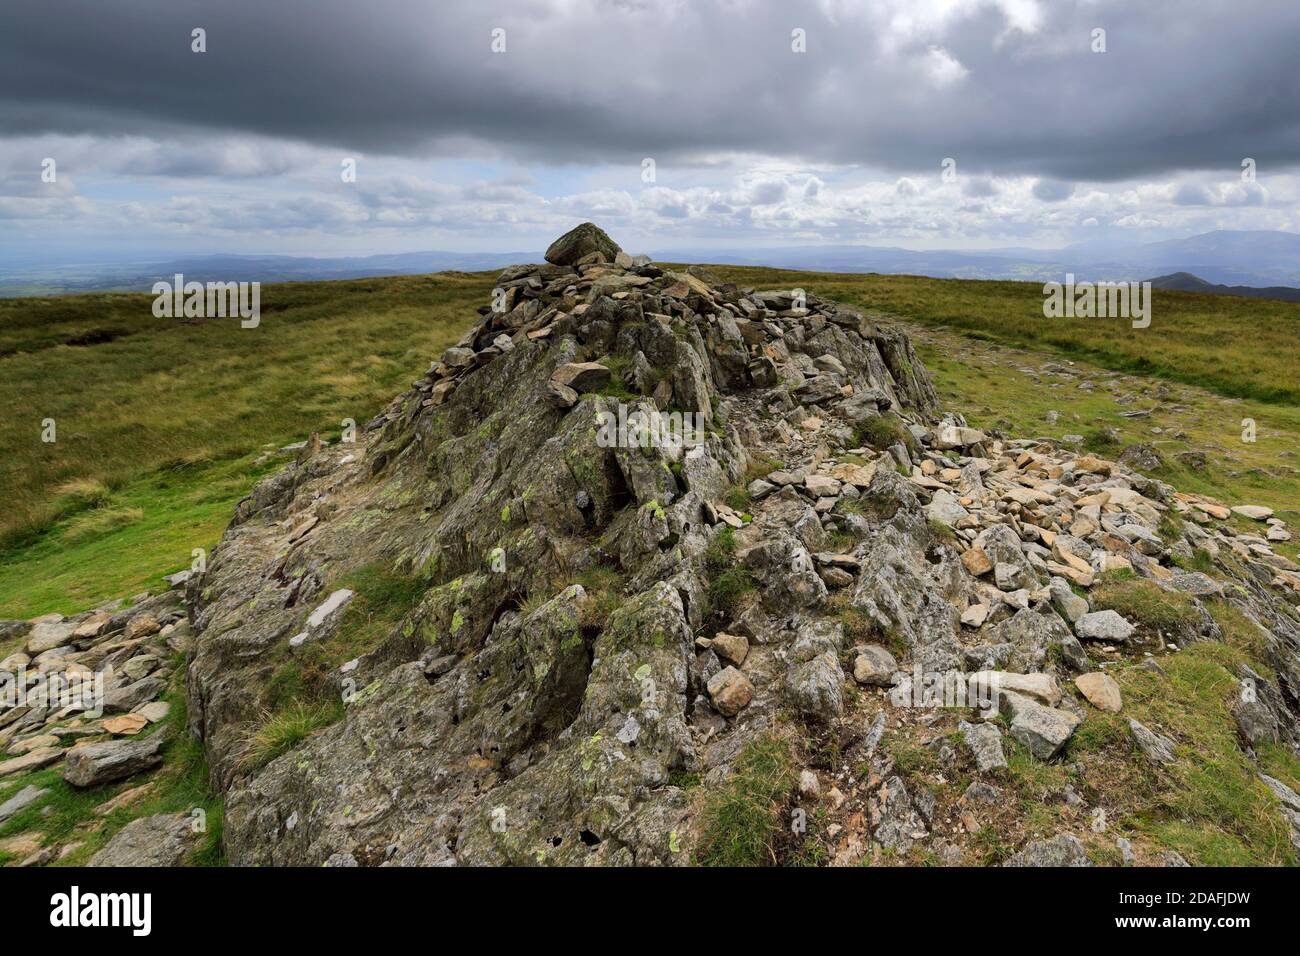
{"x": 583, "y": 244}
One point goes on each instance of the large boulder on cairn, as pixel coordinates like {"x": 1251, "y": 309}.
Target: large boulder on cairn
{"x": 579, "y": 242}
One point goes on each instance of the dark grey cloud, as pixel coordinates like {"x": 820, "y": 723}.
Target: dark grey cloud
{"x": 1192, "y": 84}
{"x": 1051, "y": 190}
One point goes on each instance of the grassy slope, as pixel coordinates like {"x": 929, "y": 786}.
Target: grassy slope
{"x": 161, "y": 422}
{"x": 1243, "y": 348}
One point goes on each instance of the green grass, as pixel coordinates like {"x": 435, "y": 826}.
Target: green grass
{"x": 740, "y": 821}
{"x": 1209, "y": 805}
{"x": 158, "y": 402}
{"x": 729, "y": 582}
{"x": 287, "y": 727}
{"x": 882, "y": 432}
{"x": 382, "y": 597}
{"x": 1144, "y": 603}
{"x": 1243, "y": 348}
{"x": 1217, "y": 812}
{"x": 148, "y": 527}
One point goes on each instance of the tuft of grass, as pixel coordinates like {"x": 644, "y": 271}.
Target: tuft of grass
{"x": 740, "y": 822}
{"x": 1241, "y": 633}
{"x": 604, "y": 588}
{"x": 1144, "y": 603}
{"x": 619, "y": 367}
{"x": 729, "y": 582}
{"x": 1201, "y": 560}
{"x": 80, "y": 494}
{"x": 286, "y": 728}
{"x": 1170, "y": 528}
{"x": 940, "y": 533}
{"x": 910, "y": 756}
{"x": 883, "y": 431}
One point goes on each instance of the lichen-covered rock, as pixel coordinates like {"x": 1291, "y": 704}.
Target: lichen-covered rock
{"x": 815, "y": 688}
{"x": 165, "y": 839}
{"x": 1064, "y": 849}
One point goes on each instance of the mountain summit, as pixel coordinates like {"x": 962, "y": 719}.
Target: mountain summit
{"x": 559, "y": 641}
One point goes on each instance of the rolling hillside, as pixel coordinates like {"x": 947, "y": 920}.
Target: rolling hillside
{"x": 163, "y": 425}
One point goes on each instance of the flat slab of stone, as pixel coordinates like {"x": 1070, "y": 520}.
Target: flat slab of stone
{"x": 1101, "y": 691}
{"x": 161, "y": 840}
{"x": 582, "y": 376}
{"x": 33, "y": 760}
{"x": 47, "y": 636}
{"x": 1105, "y": 625}
{"x": 92, "y": 765}
{"x": 20, "y": 801}
{"x": 1254, "y": 512}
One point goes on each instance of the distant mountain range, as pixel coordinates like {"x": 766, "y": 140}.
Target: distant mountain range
{"x": 140, "y": 276}
{"x": 1186, "y": 282}
{"x": 1254, "y": 263}
{"x": 1232, "y": 258}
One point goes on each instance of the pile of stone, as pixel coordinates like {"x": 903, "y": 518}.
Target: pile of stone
{"x": 591, "y": 288}
{"x": 52, "y": 711}
{"x": 1034, "y": 525}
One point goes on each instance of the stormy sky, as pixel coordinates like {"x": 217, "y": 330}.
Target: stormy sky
{"x": 482, "y": 125}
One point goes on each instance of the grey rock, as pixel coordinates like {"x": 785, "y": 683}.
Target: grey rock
{"x": 20, "y": 801}
{"x": 164, "y": 839}
{"x": 874, "y": 666}
{"x": 980, "y": 792}
{"x": 985, "y": 742}
{"x": 582, "y": 376}
{"x": 1158, "y": 748}
{"x": 945, "y": 509}
{"x": 1141, "y": 457}
{"x": 1064, "y": 849}
{"x": 122, "y": 700}
{"x": 579, "y": 242}
{"x": 1044, "y": 730}
{"x": 903, "y": 816}
{"x": 48, "y": 635}
{"x": 816, "y": 688}
{"x": 1070, "y": 605}
{"x": 1104, "y": 625}
{"x": 92, "y": 765}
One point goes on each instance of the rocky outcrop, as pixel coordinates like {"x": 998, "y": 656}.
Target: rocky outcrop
{"x": 517, "y": 722}
{"x": 607, "y": 605}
